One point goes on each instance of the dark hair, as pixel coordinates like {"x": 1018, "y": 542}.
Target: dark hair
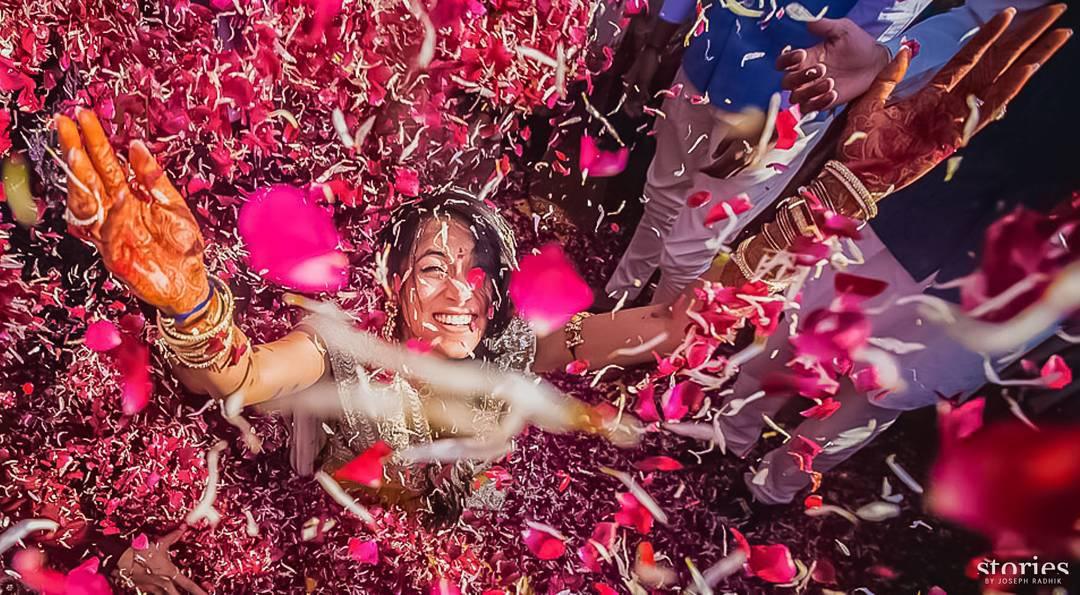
{"x": 493, "y": 251}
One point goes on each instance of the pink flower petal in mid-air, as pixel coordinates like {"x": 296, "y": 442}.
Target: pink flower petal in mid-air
{"x": 443, "y": 586}
{"x": 786, "y": 133}
{"x": 544, "y": 542}
{"x": 658, "y": 463}
{"x": 407, "y": 181}
{"x": 683, "y": 398}
{"x": 1007, "y": 480}
{"x": 957, "y": 422}
{"x": 547, "y": 290}
{"x": 141, "y": 542}
{"x": 645, "y": 406}
{"x": 367, "y": 468}
{"x": 598, "y": 163}
{"x": 292, "y": 241}
{"x": 1055, "y": 372}
{"x": 633, "y": 514}
{"x": 772, "y": 563}
{"x": 364, "y": 551}
{"x": 822, "y": 410}
{"x": 577, "y": 367}
{"x": 102, "y": 336}
{"x": 738, "y": 205}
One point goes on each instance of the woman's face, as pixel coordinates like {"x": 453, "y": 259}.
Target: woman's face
{"x": 438, "y": 304}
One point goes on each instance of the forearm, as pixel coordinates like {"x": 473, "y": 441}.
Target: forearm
{"x": 626, "y": 338}
{"x": 261, "y": 372}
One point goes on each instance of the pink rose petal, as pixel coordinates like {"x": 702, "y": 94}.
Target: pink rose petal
{"x": 407, "y": 181}
{"x": 292, "y": 241}
{"x": 443, "y": 586}
{"x": 645, "y": 405}
{"x": 364, "y": 551}
{"x": 957, "y": 422}
{"x": 658, "y": 463}
{"x": 597, "y": 163}
{"x": 786, "y": 134}
{"x": 822, "y": 410}
{"x": 544, "y": 542}
{"x": 367, "y": 468}
{"x": 1056, "y": 373}
{"x": 633, "y": 514}
{"x": 547, "y": 290}
{"x": 683, "y": 398}
{"x": 1006, "y": 480}
{"x": 141, "y": 542}
{"x": 577, "y": 367}
{"x": 102, "y": 336}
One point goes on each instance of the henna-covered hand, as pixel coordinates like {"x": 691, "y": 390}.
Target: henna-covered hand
{"x": 889, "y": 146}
{"x": 139, "y": 222}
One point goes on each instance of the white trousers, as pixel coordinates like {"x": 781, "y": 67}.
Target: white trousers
{"x": 942, "y": 367}
{"x": 673, "y": 236}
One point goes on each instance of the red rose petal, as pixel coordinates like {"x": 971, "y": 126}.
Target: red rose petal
{"x": 367, "y": 468}
{"x": 658, "y": 463}
{"x": 364, "y": 551}
{"x": 738, "y": 205}
{"x": 1056, "y": 373}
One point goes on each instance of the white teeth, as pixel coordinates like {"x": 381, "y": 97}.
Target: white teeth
{"x": 455, "y": 319}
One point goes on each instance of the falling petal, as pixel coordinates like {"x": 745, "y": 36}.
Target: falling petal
{"x": 367, "y": 468}
{"x": 543, "y": 541}
{"x": 102, "y": 336}
{"x": 597, "y": 163}
{"x": 1056, "y": 373}
{"x": 291, "y": 241}
{"x": 364, "y": 551}
{"x": 547, "y": 290}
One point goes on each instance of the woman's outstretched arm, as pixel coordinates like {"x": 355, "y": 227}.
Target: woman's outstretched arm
{"x": 148, "y": 239}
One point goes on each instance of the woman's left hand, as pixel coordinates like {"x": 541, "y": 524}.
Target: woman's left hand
{"x": 152, "y": 570}
{"x": 890, "y": 146}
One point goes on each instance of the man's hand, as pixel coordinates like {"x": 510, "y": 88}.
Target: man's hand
{"x": 835, "y": 71}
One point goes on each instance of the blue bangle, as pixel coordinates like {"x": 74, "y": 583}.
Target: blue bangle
{"x": 180, "y": 318}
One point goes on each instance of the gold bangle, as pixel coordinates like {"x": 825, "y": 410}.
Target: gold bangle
{"x": 191, "y": 349}
{"x": 766, "y": 232}
{"x": 854, "y": 186}
{"x": 572, "y": 330}
{"x": 800, "y": 221}
{"x": 739, "y": 258}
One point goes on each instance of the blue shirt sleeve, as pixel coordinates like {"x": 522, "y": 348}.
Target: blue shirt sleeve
{"x": 677, "y": 11}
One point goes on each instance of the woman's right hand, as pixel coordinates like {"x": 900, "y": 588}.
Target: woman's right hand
{"x": 131, "y": 212}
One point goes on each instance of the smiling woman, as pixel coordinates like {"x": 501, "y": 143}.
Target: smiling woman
{"x": 449, "y": 260}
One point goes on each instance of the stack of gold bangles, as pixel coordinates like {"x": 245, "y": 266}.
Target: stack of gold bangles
{"x": 794, "y": 218}
{"x": 199, "y": 349}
